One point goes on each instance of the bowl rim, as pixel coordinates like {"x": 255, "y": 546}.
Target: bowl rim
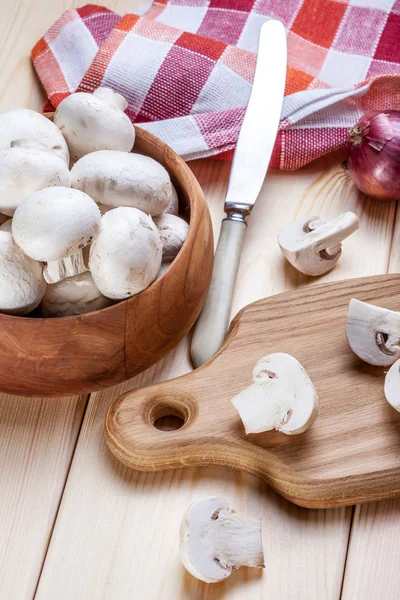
{"x": 193, "y": 213}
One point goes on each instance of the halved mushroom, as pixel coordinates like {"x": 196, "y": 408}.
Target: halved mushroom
{"x": 125, "y": 256}
{"x": 116, "y": 179}
{"x": 26, "y": 167}
{"x": 373, "y": 333}
{"x": 173, "y": 231}
{"x": 312, "y": 246}
{"x": 73, "y": 296}
{"x": 392, "y": 385}
{"x": 215, "y": 540}
{"x": 25, "y": 124}
{"x": 52, "y": 226}
{"x": 97, "y": 121}
{"x": 22, "y": 284}
{"x": 282, "y": 397}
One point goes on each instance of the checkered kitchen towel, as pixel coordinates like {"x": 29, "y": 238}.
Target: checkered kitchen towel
{"x": 186, "y": 68}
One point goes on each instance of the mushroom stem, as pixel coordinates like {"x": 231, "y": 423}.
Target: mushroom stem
{"x": 214, "y": 540}
{"x": 112, "y": 98}
{"x": 237, "y": 540}
{"x": 57, "y": 270}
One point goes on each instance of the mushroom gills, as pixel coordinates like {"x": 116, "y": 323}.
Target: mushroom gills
{"x": 373, "y": 333}
{"x": 56, "y": 270}
{"x": 215, "y": 540}
{"x": 282, "y": 397}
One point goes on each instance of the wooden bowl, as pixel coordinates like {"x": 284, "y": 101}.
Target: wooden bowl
{"x": 81, "y": 354}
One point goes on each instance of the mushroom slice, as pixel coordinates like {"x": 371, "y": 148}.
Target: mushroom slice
{"x": 52, "y": 226}
{"x": 26, "y": 124}
{"x": 215, "y": 540}
{"x": 73, "y": 296}
{"x": 373, "y": 333}
{"x": 392, "y": 385}
{"x": 282, "y": 397}
{"x": 312, "y": 246}
{"x": 21, "y": 279}
{"x": 125, "y": 256}
{"x": 26, "y": 167}
{"x": 97, "y": 121}
{"x": 117, "y": 179}
{"x": 173, "y": 231}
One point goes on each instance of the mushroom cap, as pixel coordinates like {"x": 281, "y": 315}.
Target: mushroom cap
{"x": 214, "y": 540}
{"x": 173, "y": 206}
{"x": 316, "y": 250}
{"x": 27, "y": 169}
{"x": 392, "y": 385}
{"x": 173, "y": 231}
{"x": 26, "y": 124}
{"x": 54, "y": 223}
{"x": 282, "y": 397}
{"x": 21, "y": 279}
{"x": 73, "y": 296}
{"x": 89, "y": 123}
{"x": 365, "y": 324}
{"x": 116, "y": 179}
{"x": 125, "y": 256}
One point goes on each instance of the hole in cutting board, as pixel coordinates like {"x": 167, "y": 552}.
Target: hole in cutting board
{"x": 169, "y": 423}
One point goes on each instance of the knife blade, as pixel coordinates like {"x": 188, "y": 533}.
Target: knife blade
{"x": 249, "y": 166}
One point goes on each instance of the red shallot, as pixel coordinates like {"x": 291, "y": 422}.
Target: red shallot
{"x": 374, "y": 154}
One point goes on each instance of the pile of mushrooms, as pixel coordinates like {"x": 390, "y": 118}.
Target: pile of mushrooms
{"x": 84, "y": 221}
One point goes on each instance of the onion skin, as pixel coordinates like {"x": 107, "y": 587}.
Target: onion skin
{"x": 374, "y": 154}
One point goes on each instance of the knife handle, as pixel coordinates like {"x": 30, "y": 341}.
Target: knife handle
{"x": 213, "y": 323}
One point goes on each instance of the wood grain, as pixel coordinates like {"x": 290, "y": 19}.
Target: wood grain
{"x": 51, "y": 357}
{"x": 306, "y": 548}
{"x": 117, "y": 527}
{"x": 351, "y": 453}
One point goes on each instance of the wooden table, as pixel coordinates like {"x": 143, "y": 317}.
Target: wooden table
{"x": 76, "y": 524}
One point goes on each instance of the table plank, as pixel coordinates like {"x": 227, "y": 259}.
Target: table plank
{"x": 372, "y": 569}
{"x": 37, "y": 437}
{"x": 117, "y": 530}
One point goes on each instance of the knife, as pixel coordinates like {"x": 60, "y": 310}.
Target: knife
{"x": 249, "y": 166}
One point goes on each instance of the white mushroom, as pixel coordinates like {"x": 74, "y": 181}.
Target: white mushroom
{"x": 21, "y": 279}
{"x": 73, "y": 296}
{"x": 312, "y": 246}
{"x": 125, "y": 256}
{"x": 52, "y": 226}
{"x": 392, "y": 385}
{"x": 215, "y": 540}
{"x": 26, "y": 167}
{"x": 123, "y": 179}
{"x": 282, "y": 397}
{"x": 97, "y": 121}
{"x": 373, "y": 333}
{"x": 25, "y": 124}
{"x": 173, "y": 231}
{"x": 173, "y": 207}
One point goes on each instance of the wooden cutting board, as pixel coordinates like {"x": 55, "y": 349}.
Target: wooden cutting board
{"x": 351, "y": 453}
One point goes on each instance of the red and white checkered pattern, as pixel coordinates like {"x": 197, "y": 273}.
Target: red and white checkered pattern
{"x": 186, "y": 68}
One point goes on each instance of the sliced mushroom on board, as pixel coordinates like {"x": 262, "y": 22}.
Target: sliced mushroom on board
{"x": 282, "y": 397}
{"x": 373, "y": 333}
